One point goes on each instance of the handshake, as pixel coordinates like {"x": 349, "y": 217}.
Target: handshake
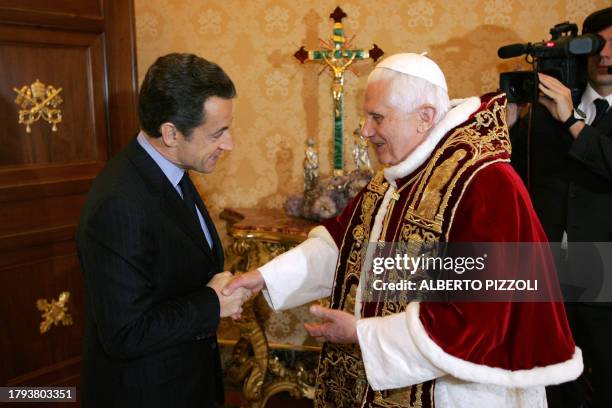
{"x": 337, "y": 326}
{"x": 234, "y": 291}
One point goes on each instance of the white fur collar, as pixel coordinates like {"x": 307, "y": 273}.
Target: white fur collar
{"x": 460, "y": 111}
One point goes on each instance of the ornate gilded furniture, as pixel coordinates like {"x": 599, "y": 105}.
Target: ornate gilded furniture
{"x": 258, "y": 236}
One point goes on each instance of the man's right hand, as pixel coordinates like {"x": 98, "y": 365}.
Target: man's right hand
{"x": 253, "y": 281}
{"x": 231, "y": 304}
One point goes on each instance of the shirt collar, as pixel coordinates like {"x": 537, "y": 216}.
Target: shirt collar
{"x": 171, "y": 170}
{"x": 590, "y": 95}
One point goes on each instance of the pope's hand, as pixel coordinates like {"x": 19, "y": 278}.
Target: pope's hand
{"x": 253, "y": 281}
{"x": 250, "y": 282}
{"x": 339, "y": 326}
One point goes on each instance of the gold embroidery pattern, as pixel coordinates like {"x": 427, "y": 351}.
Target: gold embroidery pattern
{"x": 428, "y": 216}
{"x": 431, "y": 196}
{"x": 378, "y": 183}
{"x": 468, "y": 149}
{"x": 341, "y": 380}
{"x": 361, "y": 233}
{"x": 483, "y": 139}
{"x": 402, "y": 397}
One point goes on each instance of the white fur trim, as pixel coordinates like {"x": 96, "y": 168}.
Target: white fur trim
{"x": 472, "y": 372}
{"x": 390, "y": 357}
{"x": 451, "y": 392}
{"x": 461, "y": 111}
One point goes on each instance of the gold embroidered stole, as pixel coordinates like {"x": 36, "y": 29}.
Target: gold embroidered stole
{"x": 420, "y": 213}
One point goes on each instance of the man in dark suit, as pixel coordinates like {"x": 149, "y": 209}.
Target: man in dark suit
{"x": 571, "y": 187}
{"x": 150, "y": 252}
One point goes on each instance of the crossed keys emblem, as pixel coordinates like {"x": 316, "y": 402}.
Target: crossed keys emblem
{"x": 38, "y": 101}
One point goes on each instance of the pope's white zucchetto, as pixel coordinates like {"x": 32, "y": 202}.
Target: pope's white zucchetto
{"x": 416, "y": 65}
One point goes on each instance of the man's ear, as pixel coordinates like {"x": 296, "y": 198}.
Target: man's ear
{"x": 427, "y": 115}
{"x": 169, "y": 134}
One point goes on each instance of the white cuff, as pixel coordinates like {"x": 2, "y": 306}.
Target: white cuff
{"x": 300, "y": 275}
{"x": 390, "y": 357}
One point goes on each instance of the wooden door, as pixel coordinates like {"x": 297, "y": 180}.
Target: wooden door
{"x": 86, "y": 48}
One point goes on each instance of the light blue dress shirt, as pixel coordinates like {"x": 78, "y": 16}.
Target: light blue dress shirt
{"x": 174, "y": 175}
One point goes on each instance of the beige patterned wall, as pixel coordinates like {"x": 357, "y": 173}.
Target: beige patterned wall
{"x": 281, "y": 102}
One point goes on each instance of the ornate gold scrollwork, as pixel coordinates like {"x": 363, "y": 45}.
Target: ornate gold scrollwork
{"x": 36, "y": 101}
{"x": 54, "y": 312}
{"x": 261, "y": 373}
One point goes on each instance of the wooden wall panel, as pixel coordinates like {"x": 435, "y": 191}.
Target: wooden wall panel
{"x": 80, "y": 8}
{"x": 72, "y": 63}
{"x": 25, "y": 216}
{"x": 52, "y": 276}
{"x": 87, "y": 48}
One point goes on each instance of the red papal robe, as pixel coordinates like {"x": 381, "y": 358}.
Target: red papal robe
{"x": 457, "y": 186}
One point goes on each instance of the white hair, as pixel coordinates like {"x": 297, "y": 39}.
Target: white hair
{"x": 408, "y": 92}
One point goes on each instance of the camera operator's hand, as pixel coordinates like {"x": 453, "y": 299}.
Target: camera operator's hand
{"x": 557, "y": 99}
{"x": 512, "y": 114}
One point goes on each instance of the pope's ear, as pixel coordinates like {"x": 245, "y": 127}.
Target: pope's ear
{"x": 427, "y": 115}
{"x": 169, "y": 134}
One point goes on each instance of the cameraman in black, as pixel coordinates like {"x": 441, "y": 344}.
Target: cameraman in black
{"x": 571, "y": 187}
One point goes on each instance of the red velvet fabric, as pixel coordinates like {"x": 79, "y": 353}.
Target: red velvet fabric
{"x": 338, "y": 225}
{"x": 496, "y": 208}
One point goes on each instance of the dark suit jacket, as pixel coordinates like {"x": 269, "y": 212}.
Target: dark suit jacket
{"x": 571, "y": 189}
{"x": 571, "y": 180}
{"x": 151, "y": 321}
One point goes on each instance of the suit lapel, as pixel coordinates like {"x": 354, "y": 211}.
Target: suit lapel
{"x": 170, "y": 201}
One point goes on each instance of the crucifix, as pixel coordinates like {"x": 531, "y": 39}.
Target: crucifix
{"x": 337, "y": 56}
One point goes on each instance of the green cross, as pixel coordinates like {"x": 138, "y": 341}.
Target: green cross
{"x": 338, "y": 57}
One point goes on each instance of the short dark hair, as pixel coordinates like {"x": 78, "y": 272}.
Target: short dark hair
{"x": 175, "y": 89}
{"x": 597, "y": 21}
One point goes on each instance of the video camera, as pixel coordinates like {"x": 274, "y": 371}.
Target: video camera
{"x": 562, "y": 57}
